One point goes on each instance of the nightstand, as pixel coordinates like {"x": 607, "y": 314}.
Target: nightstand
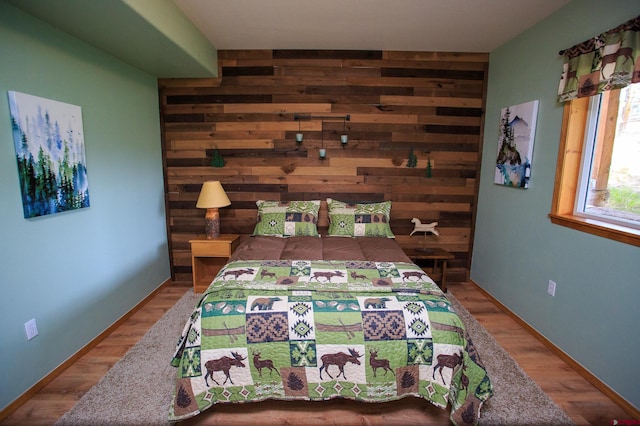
{"x": 435, "y": 254}
{"x": 208, "y": 257}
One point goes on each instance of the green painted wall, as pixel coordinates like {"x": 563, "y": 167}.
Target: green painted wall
{"x": 77, "y": 272}
{"x": 594, "y": 316}
{"x": 152, "y": 35}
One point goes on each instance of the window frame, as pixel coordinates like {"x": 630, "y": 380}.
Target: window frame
{"x": 566, "y": 185}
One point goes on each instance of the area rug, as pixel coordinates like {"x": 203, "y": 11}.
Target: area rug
{"x": 138, "y": 388}
{"x": 517, "y": 399}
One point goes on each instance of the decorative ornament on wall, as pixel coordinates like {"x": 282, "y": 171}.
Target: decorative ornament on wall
{"x": 217, "y": 160}
{"x": 515, "y": 144}
{"x": 412, "y": 161}
{"x": 49, "y": 143}
{"x": 428, "y": 172}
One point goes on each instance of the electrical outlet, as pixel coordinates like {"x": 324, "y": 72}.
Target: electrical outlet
{"x": 31, "y": 328}
{"x": 552, "y": 288}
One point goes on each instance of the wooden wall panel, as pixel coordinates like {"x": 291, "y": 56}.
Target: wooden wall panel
{"x": 429, "y": 102}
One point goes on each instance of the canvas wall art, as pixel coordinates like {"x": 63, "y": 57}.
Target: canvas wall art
{"x": 49, "y": 142}
{"x": 515, "y": 144}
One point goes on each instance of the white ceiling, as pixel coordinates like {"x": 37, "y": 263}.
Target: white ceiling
{"x": 413, "y": 25}
{"x": 179, "y": 38}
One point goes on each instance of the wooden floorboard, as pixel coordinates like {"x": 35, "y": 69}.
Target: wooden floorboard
{"x": 580, "y": 399}
{"x": 585, "y": 404}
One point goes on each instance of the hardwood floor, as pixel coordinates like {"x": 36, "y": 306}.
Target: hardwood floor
{"x": 582, "y": 401}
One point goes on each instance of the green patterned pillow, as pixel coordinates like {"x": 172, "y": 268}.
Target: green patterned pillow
{"x": 359, "y": 220}
{"x": 287, "y": 218}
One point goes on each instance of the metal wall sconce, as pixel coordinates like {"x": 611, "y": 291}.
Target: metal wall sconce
{"x": 344, "y": 138}
{"x": 299, "y": 135}
{"x": 322, "y": 153}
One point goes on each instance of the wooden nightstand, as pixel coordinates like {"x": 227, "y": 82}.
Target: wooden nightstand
{"x": 434, "y": 254}
{"x": 208, "y": 257}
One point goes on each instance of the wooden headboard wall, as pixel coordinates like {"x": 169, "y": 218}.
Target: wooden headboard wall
{"x": 426, "y": 103}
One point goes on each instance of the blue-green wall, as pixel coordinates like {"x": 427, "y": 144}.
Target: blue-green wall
{"x": 595, "y": 315}
{"x": 76, "y": 273}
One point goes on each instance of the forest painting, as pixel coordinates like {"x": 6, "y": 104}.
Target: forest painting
{"x": 49, "y": 143}
{"x": 515, "y": 144}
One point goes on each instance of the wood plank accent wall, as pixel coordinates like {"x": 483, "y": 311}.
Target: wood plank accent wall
{"x": 429, "y": 102}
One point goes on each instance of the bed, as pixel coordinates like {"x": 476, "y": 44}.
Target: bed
{"x": 310, "y": 318}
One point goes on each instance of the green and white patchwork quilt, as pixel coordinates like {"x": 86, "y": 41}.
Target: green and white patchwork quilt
{"x": 316, "y": 330}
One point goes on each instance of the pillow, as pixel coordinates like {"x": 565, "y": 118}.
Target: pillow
{"x": 359, "y": 220}
{"x": 287, "y": 218}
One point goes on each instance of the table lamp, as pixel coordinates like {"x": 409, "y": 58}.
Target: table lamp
{"x": 211, "y": 197}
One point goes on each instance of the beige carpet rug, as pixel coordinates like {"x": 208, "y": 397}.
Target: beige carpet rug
{"x": 137, "y": 390}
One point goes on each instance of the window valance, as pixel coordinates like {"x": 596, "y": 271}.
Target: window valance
{"x": 606, "y": 62}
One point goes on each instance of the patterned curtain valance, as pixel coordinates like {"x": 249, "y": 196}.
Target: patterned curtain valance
{"x": 608, "y": 61}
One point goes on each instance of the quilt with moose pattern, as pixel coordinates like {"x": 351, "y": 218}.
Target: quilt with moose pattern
{"x": 316, "y": 330}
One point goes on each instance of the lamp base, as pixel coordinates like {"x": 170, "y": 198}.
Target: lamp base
{"x": 212, "y": 223}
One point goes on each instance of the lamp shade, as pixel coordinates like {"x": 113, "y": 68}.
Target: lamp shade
{"x": 212, "y": 195}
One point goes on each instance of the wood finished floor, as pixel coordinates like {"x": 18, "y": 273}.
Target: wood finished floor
{"x": 582, "y": 401}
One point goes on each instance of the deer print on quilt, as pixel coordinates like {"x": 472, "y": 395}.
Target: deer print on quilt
{"x": 315, "y": 330}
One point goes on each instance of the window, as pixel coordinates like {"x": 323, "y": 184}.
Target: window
{"x": 597, "y": 187}
{"x": 609, "y": 186}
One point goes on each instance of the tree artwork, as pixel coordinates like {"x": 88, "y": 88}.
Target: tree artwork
{"x": 49, "y": 144}
{"x": 515, "y": 144}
